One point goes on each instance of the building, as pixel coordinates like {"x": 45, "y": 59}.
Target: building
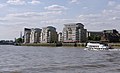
{"x": 49, "y": 35}
{"x": 60, "y": 37}
{"x": 110, "y": 36}
{"x": 74, "y": 32}
{"x": 27, "y": 33}
{"x": 94, "y": 36}
{"x": 35, "y": 35}
{"x": 92, "y": 33}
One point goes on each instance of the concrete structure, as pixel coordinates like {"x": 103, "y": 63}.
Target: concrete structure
{"x": 74, "y": 32}
{"x": 27, "y": 33}
{"x": 49, "y": 35}
{"x": 35, "y": 35}
{"x": 110, "y": 36}
{"x": 60, "y": 37}
{"x": 92, "y": 33}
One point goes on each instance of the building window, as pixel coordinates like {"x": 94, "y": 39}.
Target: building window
{"x": 70, "y": 30}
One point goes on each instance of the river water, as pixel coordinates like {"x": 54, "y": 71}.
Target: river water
{"x": 23, "y": 59}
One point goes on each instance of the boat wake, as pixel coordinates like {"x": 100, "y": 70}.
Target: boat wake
{"x": 115, "y": 49}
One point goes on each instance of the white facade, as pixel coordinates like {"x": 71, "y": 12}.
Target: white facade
{"x": 49, "y": 35}
{"x": 74, "y": 33}
{"x": 35, "y": 35}
{"x": 32, "y": 35}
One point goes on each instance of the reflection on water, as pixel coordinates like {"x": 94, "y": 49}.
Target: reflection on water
{"x": 21, "y": 59}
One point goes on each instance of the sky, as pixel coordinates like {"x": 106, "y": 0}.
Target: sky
{"x": 96, "y": 15}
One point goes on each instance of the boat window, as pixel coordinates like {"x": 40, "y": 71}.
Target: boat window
{"x": 94, "y": 42}
{"x": 105, "y": 44}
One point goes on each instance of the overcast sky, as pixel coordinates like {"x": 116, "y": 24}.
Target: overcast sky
{"x": 96, "y": 15}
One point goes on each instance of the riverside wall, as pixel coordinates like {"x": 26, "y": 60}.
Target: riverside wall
{"x": 64, "y": 44}
{"x": 55, "y": 44}
{"x": 114, "y": 44}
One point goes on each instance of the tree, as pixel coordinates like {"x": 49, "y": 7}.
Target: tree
{"x": 97, "y": 38}
{"x": 94, "y": 38}
{"x": 19, "y": 40}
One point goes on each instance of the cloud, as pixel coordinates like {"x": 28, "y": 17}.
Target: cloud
{"x": 29, "y": 18}
{"x": 55, "y": 8}
{"x": 85, "y": 7}
{"x": 17, "y": 21}
{"x": 74, "y": 1}
{"x": 2, "y": 5}
{"x": 16, "y": 2}
{"x": 34, "y": 2}
{"x": 34, "y": 14}
{"x": 107, "y": 19}
{"x": 111, "y": 3}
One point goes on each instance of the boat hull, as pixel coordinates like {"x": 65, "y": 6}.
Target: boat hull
{"x": 98, "y": 48}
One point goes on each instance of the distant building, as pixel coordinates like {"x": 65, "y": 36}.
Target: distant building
{"x": 60, "y": 37}
{"x": 49, "y": 35}
{"x": 74, "y": 32}
{"x": 35, "y": 35}
{"x": 27, "y": 33}
{"x": 92, "y": 33}
{"x": 110, "y": 36}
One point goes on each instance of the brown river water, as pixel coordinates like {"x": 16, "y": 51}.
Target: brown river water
{"x": 24, "y": 59}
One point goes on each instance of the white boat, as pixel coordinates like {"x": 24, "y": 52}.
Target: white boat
{"x": 97, "y": 46}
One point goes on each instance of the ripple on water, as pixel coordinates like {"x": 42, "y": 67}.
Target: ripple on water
{"x": 113, "y": 70}
{"x": 61, "y": 60}
{"x": 11, "y": 71}
{"x": 94, "y": 66}
{"x": 63, "y": 68}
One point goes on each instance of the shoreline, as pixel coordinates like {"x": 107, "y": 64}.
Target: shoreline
{"x": 54, "y": 44}
{"x": 114, "y": 45}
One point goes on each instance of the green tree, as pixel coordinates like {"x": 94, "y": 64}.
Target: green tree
{"x": 94, "y": 38}
{"x": 90, "y": 38}
{"x": 97, "y": 38}
{"x": 19, "y": 40}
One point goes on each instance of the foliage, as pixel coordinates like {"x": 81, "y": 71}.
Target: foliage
{"x": 19, "y": 40}
{"x": 94, "y": 38}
